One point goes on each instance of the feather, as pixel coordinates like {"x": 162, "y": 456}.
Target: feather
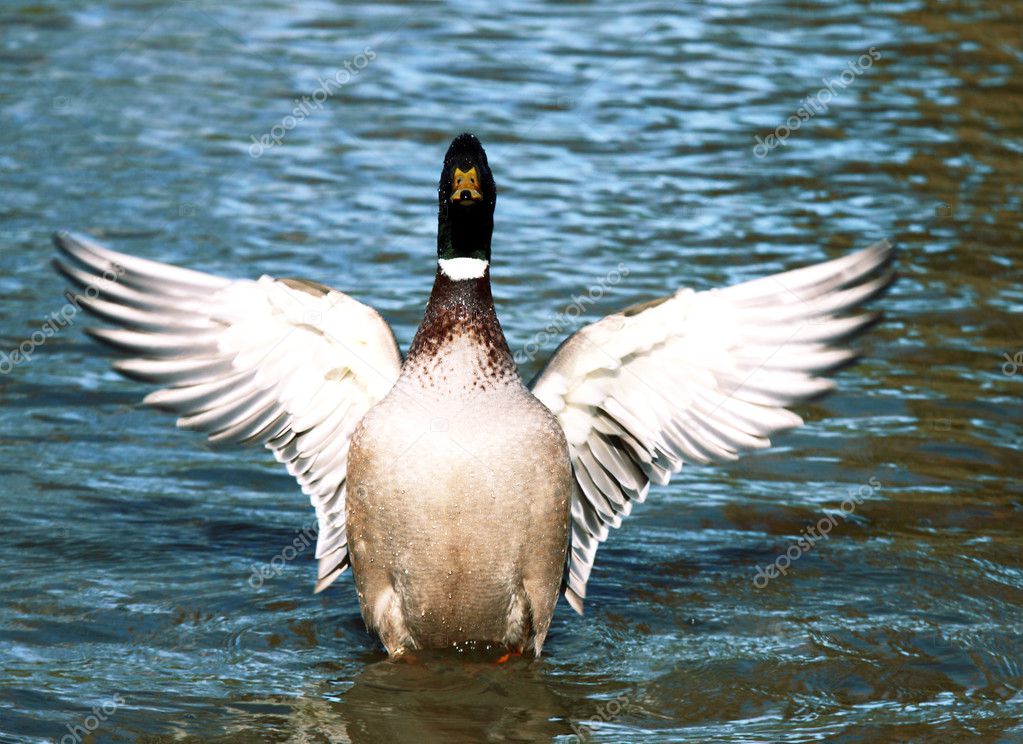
{"x": 238, "y": 361}
{"x": 696, "y": 377}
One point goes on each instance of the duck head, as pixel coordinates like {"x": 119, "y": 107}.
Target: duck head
{"x": 467, "y": 196}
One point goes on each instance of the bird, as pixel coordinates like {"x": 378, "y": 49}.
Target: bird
{"x": 466, "y": 501}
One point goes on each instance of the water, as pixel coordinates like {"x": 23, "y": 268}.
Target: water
{"x": 619, "y": 134}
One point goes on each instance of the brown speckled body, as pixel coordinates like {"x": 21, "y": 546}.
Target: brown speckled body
{"x": 459, "y": 490}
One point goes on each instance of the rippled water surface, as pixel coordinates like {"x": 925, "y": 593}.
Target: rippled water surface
{"x": 620, "y": 134}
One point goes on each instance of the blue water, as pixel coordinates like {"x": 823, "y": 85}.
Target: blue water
{"x": 619, "y": 134}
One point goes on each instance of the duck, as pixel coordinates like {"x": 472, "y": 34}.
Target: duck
{"x": 465, "y": 500}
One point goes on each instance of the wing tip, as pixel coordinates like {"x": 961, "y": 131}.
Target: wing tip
{"x": 882, "y": 256}
{"x": 64, "y": 271}
{"x": 129, "y": 368}
{"x": 574, "y": 600}
{"x": 70, "y": 243}
{"x": 323, "y": 583}
{"x": 882, "y": 252}
{"x": 156, "y": 399}
{"x": 61, "y": 238}
{"x": 331, "y": 575}
{"x": 102, "y": 335}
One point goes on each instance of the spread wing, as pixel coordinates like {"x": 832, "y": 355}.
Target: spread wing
{"x": 286, "y": 363}
{"x": 696, "y": 377}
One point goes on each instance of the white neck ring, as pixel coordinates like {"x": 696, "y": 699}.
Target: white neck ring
{"x": 460, "y": 269}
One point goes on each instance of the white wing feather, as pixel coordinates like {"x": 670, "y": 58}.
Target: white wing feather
{"x": 286, "y": 363}
{"x": 695, "y": 377}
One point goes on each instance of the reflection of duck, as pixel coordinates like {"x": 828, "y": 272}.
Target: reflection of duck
{"x": 436, "y": 700}
{"x": 451, "y": 487}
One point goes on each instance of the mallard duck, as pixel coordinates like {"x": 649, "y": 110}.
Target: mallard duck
{"x": 465, "y": 500}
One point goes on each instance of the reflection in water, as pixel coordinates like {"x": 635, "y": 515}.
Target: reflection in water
{"x": 434, "y": 700}
{"x": 619, "y": 135}
{"x": 446, "y": 700}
